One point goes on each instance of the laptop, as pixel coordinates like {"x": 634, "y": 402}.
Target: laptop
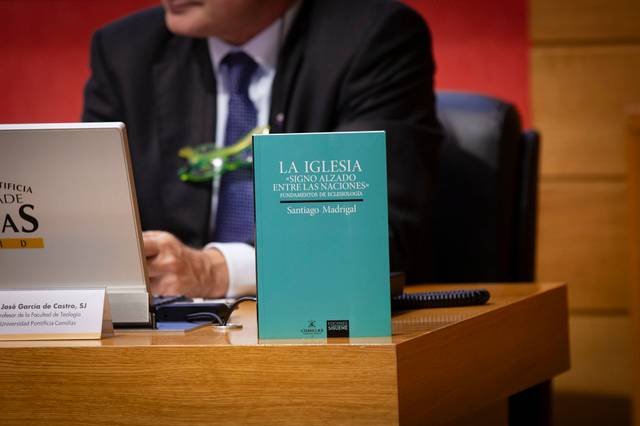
{"x": 68, "y": 214}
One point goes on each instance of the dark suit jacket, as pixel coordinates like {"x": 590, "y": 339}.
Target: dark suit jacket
{"x": 345, "y": 65}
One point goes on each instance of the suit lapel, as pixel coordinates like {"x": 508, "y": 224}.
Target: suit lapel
{"x": 289, "y": 63}
{"x": 184, "y": 77}
{"x": 185, "y": 114}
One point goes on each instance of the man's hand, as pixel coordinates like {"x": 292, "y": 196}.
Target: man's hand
{"x": 175, "y": 268}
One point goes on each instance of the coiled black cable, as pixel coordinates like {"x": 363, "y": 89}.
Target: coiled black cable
{"x": 440, "y": 299}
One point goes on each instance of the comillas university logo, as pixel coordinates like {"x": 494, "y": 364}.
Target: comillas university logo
{"x": 311, "y": 329}
{"x": 19, "y": 223}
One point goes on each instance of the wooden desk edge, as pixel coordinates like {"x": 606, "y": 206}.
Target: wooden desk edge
{"x": 484, "y": 358}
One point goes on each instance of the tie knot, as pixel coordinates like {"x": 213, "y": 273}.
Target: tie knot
{"x": 238, "y": 68}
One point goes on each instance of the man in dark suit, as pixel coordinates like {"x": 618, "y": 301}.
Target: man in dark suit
{"x": 339, "y": 65}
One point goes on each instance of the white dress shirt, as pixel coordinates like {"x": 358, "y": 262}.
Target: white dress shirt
{"x": 264, "y": 48}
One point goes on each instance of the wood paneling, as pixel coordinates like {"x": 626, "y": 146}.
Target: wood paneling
{"x": 600, "y": 356}
{"x": 585, "y": 65}
{"x": 596, "y": 391}
{"x": 579, "y": 100}
{"x": 633, "y": 151}
{"x": 584, "y": 20}
{"x": 582, "y": 239}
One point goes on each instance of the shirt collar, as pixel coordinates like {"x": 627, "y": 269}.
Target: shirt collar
{"x": 263, "y": 48}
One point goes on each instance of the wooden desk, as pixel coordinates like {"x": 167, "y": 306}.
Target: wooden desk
{"x": 633, "y": 194}
{"x": 438, "y": 365}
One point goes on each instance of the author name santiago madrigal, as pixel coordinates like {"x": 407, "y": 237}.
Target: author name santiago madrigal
{"x": 326, "y": 209}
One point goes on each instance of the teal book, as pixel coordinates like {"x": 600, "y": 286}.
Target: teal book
{"x": 322, "y": 247}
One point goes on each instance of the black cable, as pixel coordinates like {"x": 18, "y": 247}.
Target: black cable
{"x": 239, "y": 300}
{"x": 440, "y": 299}
{"x": 220, "y": 319}
{"x": 205, "y": 316}
{"x": 235, "y": 305}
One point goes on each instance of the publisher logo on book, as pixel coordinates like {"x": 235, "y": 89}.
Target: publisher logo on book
{"x": 18, "y": 218}
{"x": 337, "y": 328}
{"x": 311, "y": 329}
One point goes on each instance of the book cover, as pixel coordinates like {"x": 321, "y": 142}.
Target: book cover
{"x": 322, "y": 249}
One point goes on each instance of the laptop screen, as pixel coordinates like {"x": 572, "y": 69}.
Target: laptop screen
{"x": 68, "y": 213}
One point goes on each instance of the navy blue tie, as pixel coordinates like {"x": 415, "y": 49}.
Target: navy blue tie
{"x": 234, "y": 218}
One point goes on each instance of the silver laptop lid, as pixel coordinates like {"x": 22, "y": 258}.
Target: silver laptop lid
{"x": 68, "y": 213}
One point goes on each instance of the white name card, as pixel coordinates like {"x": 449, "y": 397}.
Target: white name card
{"x": 56, "y": 314}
